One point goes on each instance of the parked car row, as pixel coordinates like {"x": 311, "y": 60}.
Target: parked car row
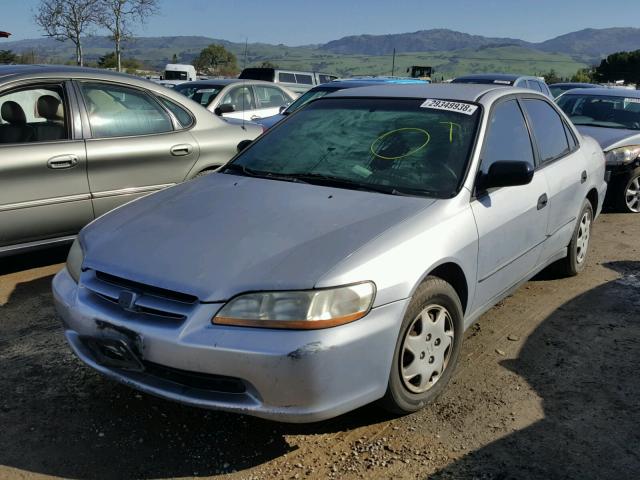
{"x": 316, "y": 268}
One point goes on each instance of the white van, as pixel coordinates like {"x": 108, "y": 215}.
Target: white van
{"x": 296, "y": 81}
{"x": 177, "y": 73}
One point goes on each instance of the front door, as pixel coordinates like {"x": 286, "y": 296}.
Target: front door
{"x": 135, "y": 148}
{"x": 44, "y": 192}
{"x": 511, "y": 221}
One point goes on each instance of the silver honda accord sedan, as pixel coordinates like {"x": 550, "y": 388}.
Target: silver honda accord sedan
{"x": 339, "y": 258}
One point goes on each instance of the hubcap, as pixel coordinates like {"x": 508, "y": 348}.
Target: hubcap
{"x": 582, "y": 242}
{"x": 632, "y": 195}
{"x": 426, "y": 349}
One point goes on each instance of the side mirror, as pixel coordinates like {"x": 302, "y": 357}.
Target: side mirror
{"x": 243, "y": 144}
{"x": 224, "y": 108}
{"x": 506, "y": 174}
{"x": 282, "y": 108}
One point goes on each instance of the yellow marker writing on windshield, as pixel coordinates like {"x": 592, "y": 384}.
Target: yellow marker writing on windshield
{"x": 384, "y": 136}
{"x": 451, "y": 125}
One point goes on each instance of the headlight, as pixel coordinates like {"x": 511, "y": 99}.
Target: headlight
{"x": 305, "y": 310}
{"x": 75, "y": 259}
{"x": 623, "y": 154}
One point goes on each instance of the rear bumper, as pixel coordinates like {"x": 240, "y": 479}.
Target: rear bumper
{"x": 292, "y": 376}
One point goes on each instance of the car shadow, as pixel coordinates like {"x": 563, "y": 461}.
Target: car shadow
{"x": 35, "y": 259}
{"x": 583, "y": 363}
{"x": 60, "y": 418}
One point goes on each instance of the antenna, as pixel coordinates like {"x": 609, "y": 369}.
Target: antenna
{"x": 244, "y": 65}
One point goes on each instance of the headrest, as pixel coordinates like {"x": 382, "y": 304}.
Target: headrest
{"x": 49, "y": 107}
{"x": 11, "y": 112}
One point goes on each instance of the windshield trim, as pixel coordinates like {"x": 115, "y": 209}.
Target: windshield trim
{"x": 469, "y": 160}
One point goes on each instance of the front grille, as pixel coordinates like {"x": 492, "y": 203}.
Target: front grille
{"x": 201, "y": 381}
{"x": 125, "y": 284}
{"x": 152, "y": 302}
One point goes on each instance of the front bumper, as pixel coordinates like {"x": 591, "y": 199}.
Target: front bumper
{"x": 292, "y": 376}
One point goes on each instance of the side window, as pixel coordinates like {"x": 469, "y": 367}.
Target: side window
{"x": 548, "y": 129}
{"x": 533, "y": 85}
{"x": 183, "y": 116}
{"x": 322, "y": 78}
{"x": 116, "y": 111}
{"x": 304, "y": 79}
{"x": 241, "y": 98}
{"x": 286, "y": 77}
{"x": 34, "y": 114}
{"x": 270, "y": 97}
{"x": 573, "y": 143}
{"x": 507, "y": 137}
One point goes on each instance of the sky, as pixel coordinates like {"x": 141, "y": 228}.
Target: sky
{"x": 303, "y": 22}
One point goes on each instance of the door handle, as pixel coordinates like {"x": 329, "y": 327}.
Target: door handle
{"x": 180, "y": 150}
{"x": 62, "y": 161}
{"x": 255, "y": 117}
{"x": 542, "y": 201}
{"x": 583, "y": 176}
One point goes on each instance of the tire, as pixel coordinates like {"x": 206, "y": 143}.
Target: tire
{"x": 578, "y": 248}
{"x": 406, "y": 392}
{"x": 627, "y": 192}
{"x": 204, "y": 173}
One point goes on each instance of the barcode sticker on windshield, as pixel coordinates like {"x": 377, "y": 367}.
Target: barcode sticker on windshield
{"x": 458, "y": 107}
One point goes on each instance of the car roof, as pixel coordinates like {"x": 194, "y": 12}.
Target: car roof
{"x": 605, "y": 92}
{"x": 493, "y": 76}
{"x": 6, "y": 70}
{"x": 469, "y": 92}
{"x": 225, "y": 82}
{"x": 570, "y": 84}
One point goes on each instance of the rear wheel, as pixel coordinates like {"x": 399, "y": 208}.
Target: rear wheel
{"x": 578, "y": 248}
{"x": 427, "y": 348}
{"x": 629, "y": 192}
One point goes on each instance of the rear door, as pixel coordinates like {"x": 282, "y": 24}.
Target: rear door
{"x": 269, "y": 99}
{"x": 564, "y": 167}
{"x": 44, "y": 193}
{"x": 135, "y": 146}
{"x": 511, "y": 221}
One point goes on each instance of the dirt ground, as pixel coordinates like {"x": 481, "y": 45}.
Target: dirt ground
{"x": 548, "y": 387}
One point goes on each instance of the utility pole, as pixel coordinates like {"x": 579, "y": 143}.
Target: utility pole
{"x": 393, "y": 63}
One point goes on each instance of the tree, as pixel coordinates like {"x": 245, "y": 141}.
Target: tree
{"x": 620, "y": 66}
{"x": 7, "y": 56}
{"x": 215, "y": 59}
{"x": 174, "y": 59}
{"x": 68, "y": 20}
{"x": 118, "y": 16}
{"x": 551, "y": 77}
{"x": 584, "y": 75}
{"x": 110, "y": 61}
{"x": 268, "y": 64}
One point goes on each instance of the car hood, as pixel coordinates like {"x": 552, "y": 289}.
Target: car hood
{"x": 224, "y": 234}
{"x": 609, "y": 138}
{"x": 268, "y": 122}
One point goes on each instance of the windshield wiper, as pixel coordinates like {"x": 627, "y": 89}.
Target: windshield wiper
{"x": 248, "y": 172}
{"x": 333, "y": 181}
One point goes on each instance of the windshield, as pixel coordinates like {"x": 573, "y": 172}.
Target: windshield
{"x": 307, "y": 97}
{"x": 203, "y": 94}
{"x": 394, "y": 146}
{"x": 175, "y": 75}
{"x": 602, "y": 111}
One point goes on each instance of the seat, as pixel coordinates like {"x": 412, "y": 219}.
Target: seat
{"x": 50, "y": 108}
{"x": 16, "y": 129}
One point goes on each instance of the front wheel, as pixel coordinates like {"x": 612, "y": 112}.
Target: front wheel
{"x": 629, "y": 192}
{"x": 427, "y": 348}
{"x": 578, "y": 248}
